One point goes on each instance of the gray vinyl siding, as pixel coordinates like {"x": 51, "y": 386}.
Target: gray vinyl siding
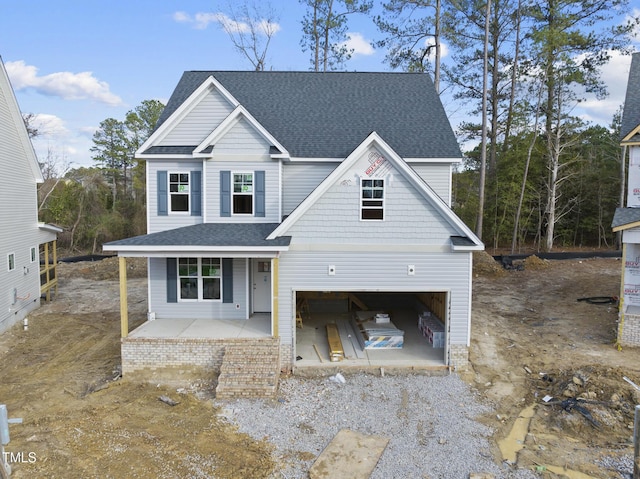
{"x": 408, "y": 218}
{"x": 437, "y": 176}
{"x": 378, "y": 271}
{"x": 199, "y": 122}
{"x": 300, "y": 179}
{"x": 19, "y": 219}
{"x": 242, "y": 164}
{"x": 197, "y": 310}
{"x": 172, "y": 220}
{"x": 242, "y": 139}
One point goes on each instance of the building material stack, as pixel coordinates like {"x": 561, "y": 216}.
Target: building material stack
{"x": 376, "y": 331}
{"x": 431, "y": 328}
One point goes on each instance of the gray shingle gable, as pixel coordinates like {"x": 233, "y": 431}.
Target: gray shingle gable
{"x": 327, "y": 115}
{"x": 631, "y": 114}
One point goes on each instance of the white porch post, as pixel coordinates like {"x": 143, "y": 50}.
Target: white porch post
{"x": 274, "y": 293}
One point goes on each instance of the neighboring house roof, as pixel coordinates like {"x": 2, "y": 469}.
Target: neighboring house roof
{"x": 6, "y": 91}
{"x": 625, "y": 218}
{"x": 630, "y": 127}
{"x": 327, "y": 115}
{"x": 203, "y": 237}
{"x": 464, "y": 240}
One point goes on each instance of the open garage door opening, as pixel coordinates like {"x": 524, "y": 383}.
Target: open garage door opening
{"x": 371, "y": 329}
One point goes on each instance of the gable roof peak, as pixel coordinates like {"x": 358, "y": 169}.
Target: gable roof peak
{"x": 388, "y": 154}
{"x": 326, "y": 114}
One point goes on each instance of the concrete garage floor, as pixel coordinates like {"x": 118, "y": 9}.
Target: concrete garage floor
{"x": 416, "y": 353}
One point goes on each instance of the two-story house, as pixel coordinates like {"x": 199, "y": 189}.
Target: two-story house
{"x": 627, "y": 219}
{"x": 24, "y": 242}
{"x": 275, "y": 192}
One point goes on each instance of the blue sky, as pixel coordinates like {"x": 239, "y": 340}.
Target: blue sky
{"x": 76, "y": 63}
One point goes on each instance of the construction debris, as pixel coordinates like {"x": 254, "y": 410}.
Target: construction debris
{"x": 350, "y": 455}
{"x": 168, "y": 400}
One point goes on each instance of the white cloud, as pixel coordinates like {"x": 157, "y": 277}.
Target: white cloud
{"x": 181, "y": 17}
{"x": 631, "y": 18}
{"x": 87, "y": 131}
{"x": 50, "y": 126}
{"x": 358, "y": 44}
{"x": 614, "y": 75}
{"x": 201, "y": 21}
{"x": 66, "y": 85}
{"x": 444, "y": 49}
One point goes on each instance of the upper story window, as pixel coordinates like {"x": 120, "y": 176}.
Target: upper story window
{"x": 372, "y": 199}
{"x": 242, "y": 193}
{"x": 200, "y": 279}
{"x": 179, "y": 192}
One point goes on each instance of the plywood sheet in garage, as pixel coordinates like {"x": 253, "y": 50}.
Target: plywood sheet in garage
{"x": 350, "y": 455}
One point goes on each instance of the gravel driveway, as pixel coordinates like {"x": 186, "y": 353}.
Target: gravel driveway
{"x": 431, "y": 423}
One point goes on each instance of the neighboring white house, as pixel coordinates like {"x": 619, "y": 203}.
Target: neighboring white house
{"x": 627, "y": 219}
{"x": 23, "y": 241}
{"x": 272, "y": 195}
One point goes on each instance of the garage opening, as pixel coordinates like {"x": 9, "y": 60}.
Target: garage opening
{"x": 379, "y": 329}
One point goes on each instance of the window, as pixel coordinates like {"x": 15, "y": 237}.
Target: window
{"x": 34, "y": 254}
{"x": 11, "y": 261}
{"x": 200, "y": 279}
{"x": 372, "y": 198}
{"x": 243, "y": 193}
{"x": 179, "y": 192}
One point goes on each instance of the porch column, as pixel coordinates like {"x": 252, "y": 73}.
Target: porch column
{"x": 54, "y": 248}
{"x": 274, "y": 287}
{"x": 124, "y": 310}
{"x": 47, "y": 273}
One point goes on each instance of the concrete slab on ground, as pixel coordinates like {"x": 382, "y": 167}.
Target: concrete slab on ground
{"x": 350, "y": 455}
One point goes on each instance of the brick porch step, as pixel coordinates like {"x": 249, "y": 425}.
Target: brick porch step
{"x": 250, "y": 370}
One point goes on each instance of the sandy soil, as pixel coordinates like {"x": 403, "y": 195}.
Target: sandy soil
{"x": 80, "y": 421}
{"x": 531, "y": 338}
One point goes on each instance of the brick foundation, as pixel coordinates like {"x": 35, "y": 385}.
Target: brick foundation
{"x": 459, "y": 356}
{"x": 151, "y": 354}
{"x": 629, "y": 330}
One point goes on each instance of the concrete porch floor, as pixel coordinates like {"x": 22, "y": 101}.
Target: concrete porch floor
{"x": 259, "y": 325}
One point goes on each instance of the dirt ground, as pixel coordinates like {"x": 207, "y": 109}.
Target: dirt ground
{"x": 531, "y": 338}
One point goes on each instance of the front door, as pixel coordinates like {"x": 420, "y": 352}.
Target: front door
{"x": 261, "y": 286}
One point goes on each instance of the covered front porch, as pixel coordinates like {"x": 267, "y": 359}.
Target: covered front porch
{"x": 258, "y": 325}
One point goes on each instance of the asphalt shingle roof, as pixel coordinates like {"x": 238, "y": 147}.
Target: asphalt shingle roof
{"x": 327, "y": 115}
{"x": 631, "y": 114}
{"x": 625, "y": 216}
{"x": 210, "y": 234}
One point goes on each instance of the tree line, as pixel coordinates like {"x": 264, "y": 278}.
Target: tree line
{"x": 105, "y": 202}
{"x": 537, "y": 176}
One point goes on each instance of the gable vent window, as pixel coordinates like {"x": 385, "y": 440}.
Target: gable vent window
{"x": 243, "y": 193}
{"x": 179, "y": 192}
{"x": 372, "y": 200}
